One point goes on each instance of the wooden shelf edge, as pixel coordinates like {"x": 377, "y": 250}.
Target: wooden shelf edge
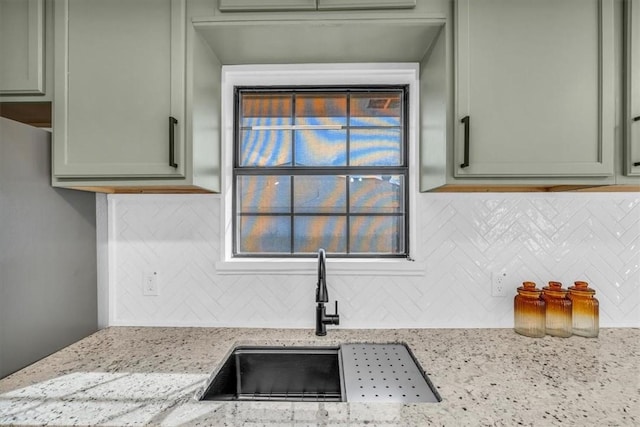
{"x": 480, "y": 188}
{"x": 144, "y": 190}
{"x": 36, "y": 114}
{"x": 450, "y": 188}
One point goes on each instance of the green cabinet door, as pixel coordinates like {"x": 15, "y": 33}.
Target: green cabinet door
{"x": 21, "y": 47}
{"x": 119, "y": 79}
{"x": 534, "y": 88}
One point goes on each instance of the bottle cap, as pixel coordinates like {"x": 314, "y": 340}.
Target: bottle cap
{"x": 529, "y": 289}
{"x": 555, "y": 289}
{"x": 582, "y": 288}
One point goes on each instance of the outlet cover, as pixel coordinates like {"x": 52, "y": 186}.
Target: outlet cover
{"x": 150, "y": 284}
{"x": 499, "y": 284}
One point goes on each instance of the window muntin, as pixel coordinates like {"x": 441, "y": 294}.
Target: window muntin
{"x": 322, "y": 167}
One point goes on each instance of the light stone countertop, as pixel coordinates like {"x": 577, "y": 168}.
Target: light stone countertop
{"x": 149, "y": 376}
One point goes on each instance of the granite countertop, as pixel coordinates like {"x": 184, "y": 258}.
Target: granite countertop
{"x": 149, "y": 376}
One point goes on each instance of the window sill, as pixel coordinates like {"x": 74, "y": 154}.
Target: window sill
{"x": 343, "y": 267}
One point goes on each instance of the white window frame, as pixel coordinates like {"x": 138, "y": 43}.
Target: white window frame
{"x": 321, "y": 75}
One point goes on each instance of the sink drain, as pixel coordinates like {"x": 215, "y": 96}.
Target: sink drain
{"x": 383, "y": 373}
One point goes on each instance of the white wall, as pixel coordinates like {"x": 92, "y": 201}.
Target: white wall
{"x": 463, "y": 238}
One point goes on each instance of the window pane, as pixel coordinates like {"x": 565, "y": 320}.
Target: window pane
{"x": 315, "y": 232}
{"x": 375, "y": 109}
{"x": 265, "y": 148}
{"x": 376, "y": 147}
{"x": 264, "y": 194}
{"x": 264, "y": 234}
{"x": 320, "y": 194}
{"x": 336, "y": 205}
{"x": 321, "y": 109}
{"x": 377, "y": 234}
{"x": 266, "y": 109}
{"x": 376, "y": 194}
{"x": 321, "y": 148}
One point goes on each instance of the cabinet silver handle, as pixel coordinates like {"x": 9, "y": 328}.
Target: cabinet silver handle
{"x": 466, "y": 121}
{"x": 172, "y": 141}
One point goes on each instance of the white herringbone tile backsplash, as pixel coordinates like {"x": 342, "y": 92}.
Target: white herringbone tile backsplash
{"x": 462, "y": 240}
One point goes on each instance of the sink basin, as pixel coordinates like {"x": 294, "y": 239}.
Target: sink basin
{"x": 349, "y": 373}
{"x": 267, "y": 373}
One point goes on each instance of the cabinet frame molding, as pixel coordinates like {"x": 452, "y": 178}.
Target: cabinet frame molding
{"x": 265, "y": 5}
{"x": 365, "y": 4}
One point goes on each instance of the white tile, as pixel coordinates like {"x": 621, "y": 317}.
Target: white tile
{"x": 462, "y": 239}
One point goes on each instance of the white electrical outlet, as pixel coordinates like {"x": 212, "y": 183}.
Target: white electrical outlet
{"x": 150, "y": 284}
{"x": 499, "y": 284}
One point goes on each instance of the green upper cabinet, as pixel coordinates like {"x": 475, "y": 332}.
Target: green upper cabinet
{"x": 119, "y": 109}
{"x": 534, "y": 88}
{"x": 22, "y": 68}
{"x": 632, "y": 116}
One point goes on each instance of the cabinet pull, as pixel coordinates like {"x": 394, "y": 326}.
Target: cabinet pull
{"x": 466, "y": 120}
{"x": 635, "y": 119}
{"x": 172, "y": 142}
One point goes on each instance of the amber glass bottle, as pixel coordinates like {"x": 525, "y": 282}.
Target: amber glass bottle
{"x": 585, "y": 310}
{"x": 529, "y": 311}
{"x": 558, "y": 310}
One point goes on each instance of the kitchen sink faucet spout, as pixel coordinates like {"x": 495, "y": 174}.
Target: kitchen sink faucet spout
{"x": 322, "y": 296}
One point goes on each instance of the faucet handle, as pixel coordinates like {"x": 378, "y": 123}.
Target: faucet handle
{"x": 334, "y": 319}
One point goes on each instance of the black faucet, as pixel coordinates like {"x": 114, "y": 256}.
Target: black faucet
{"x": 322, "y": 295}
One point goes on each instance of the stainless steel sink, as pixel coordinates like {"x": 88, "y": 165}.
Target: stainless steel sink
{"x": 351, "y": 373}
{"x": 267, "y": 373}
